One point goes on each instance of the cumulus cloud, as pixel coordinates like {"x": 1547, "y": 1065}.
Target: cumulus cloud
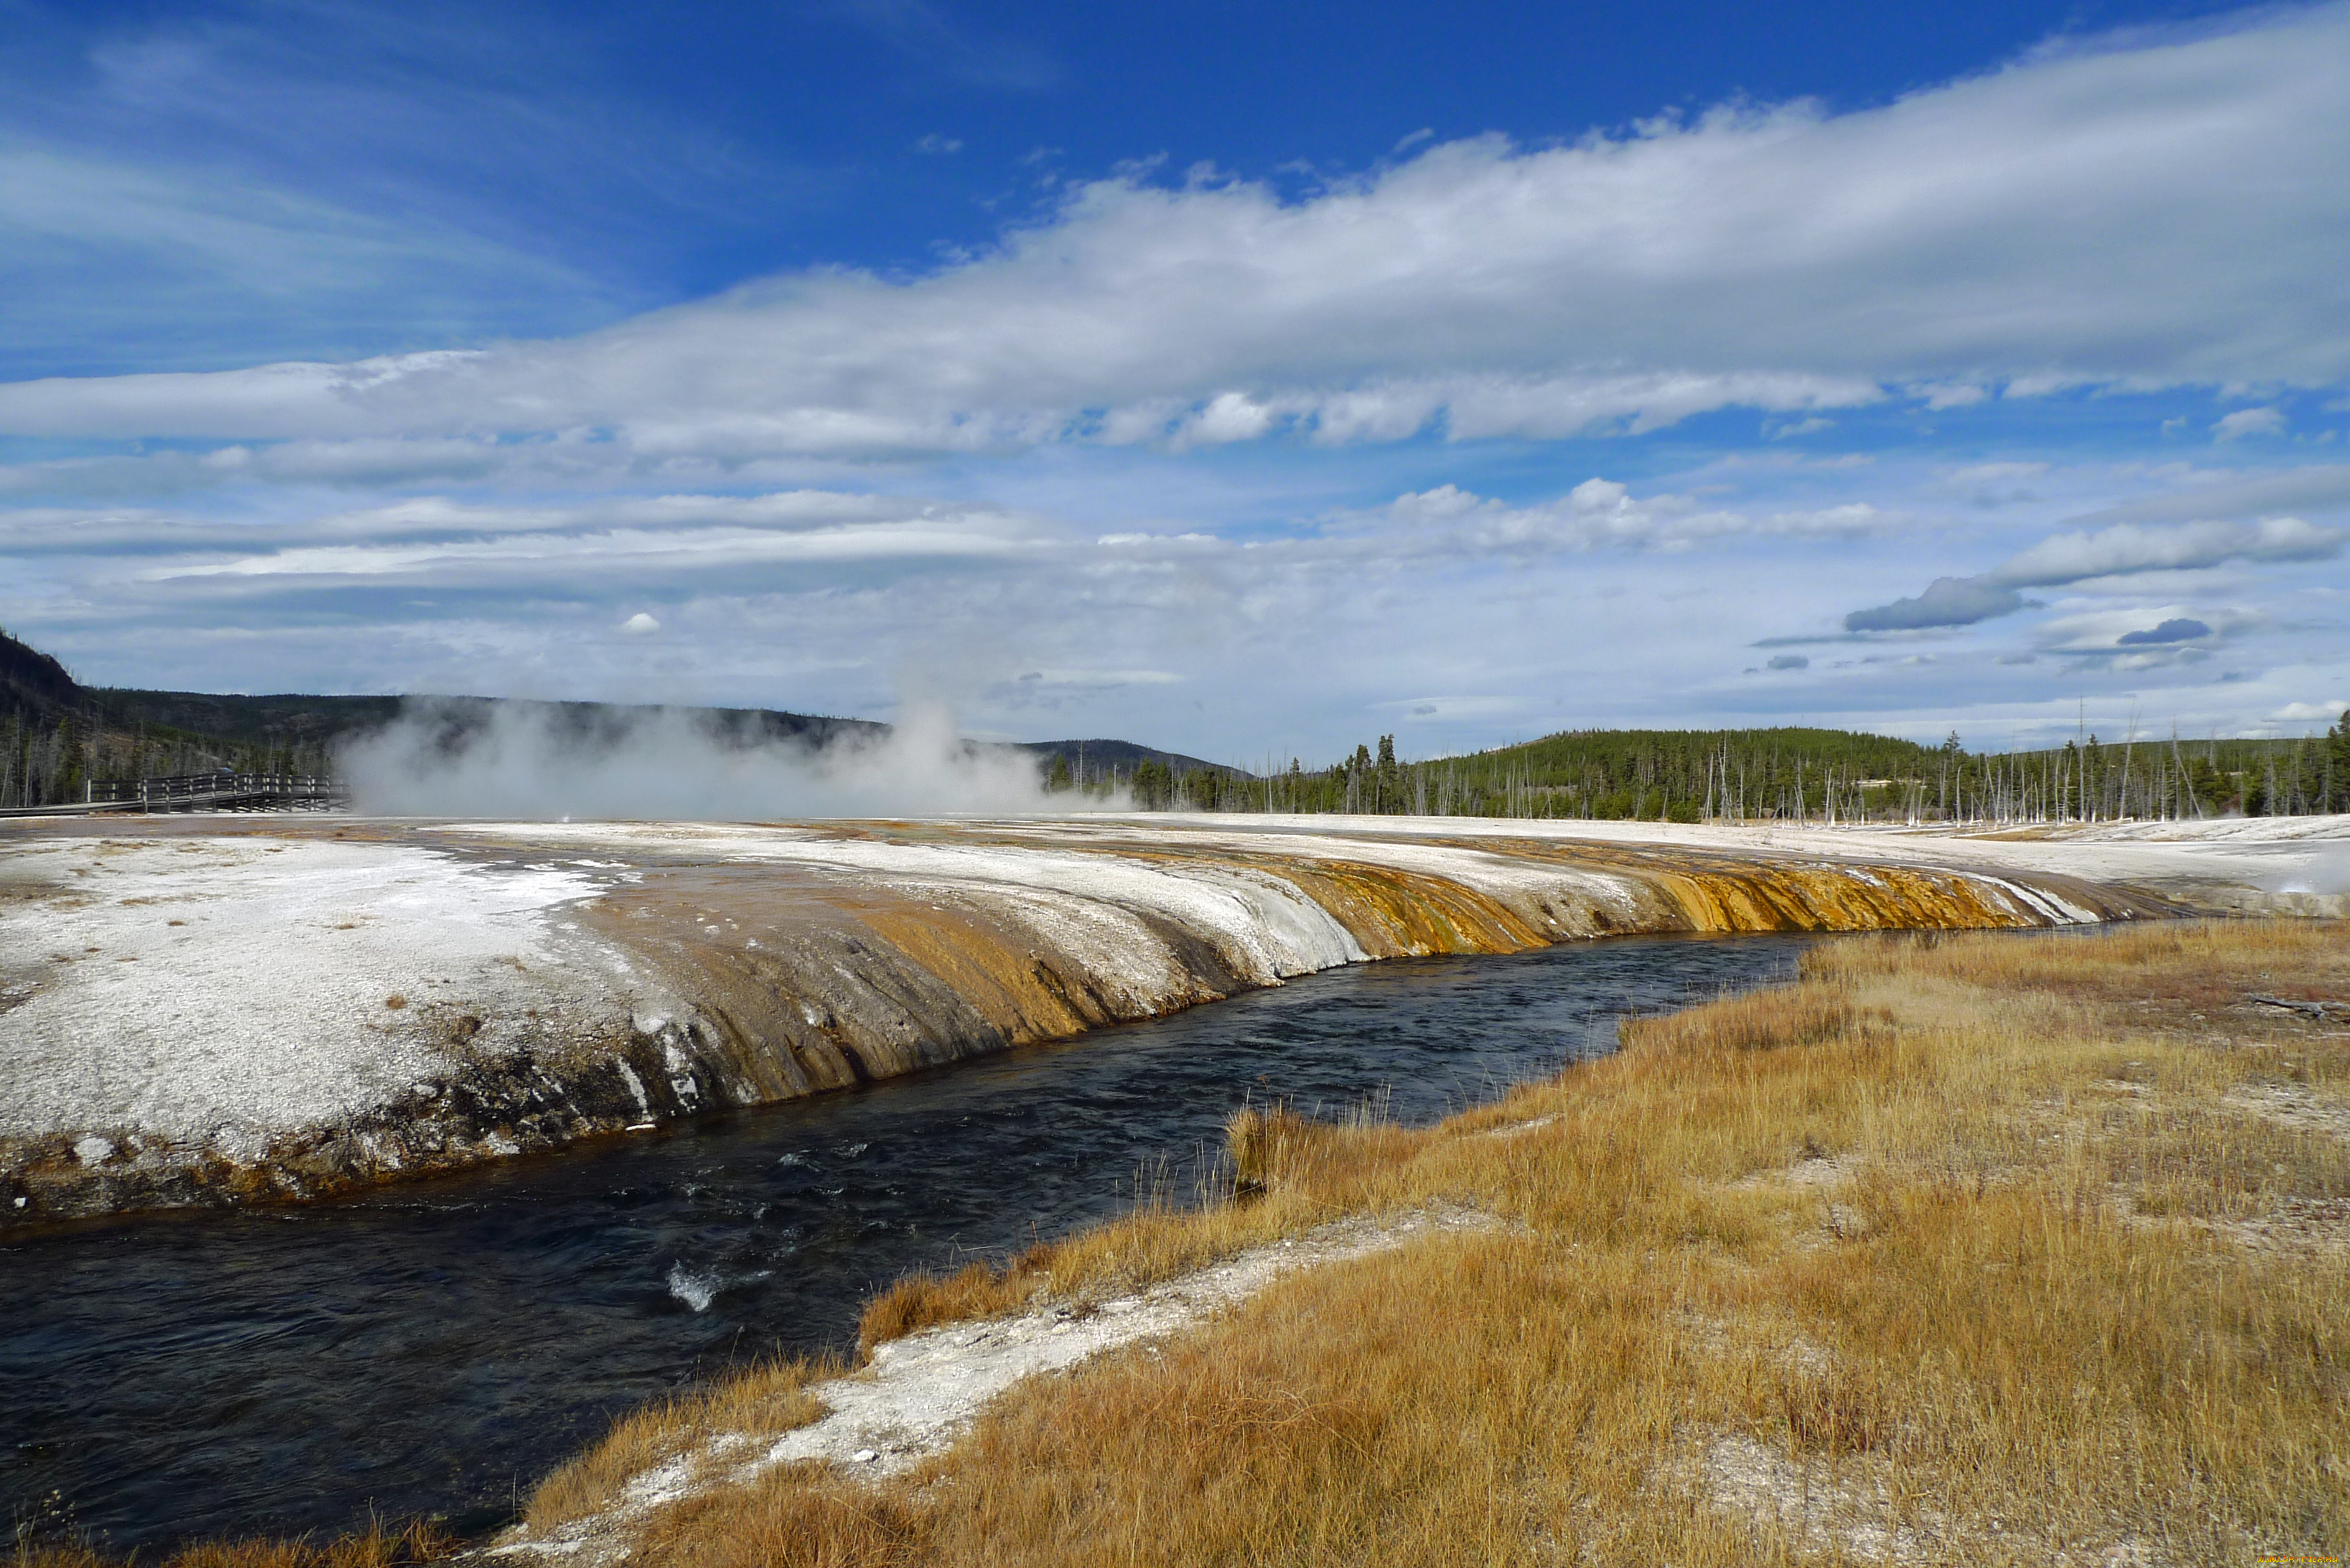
{"x": 1986, "y": 232}
{"x": 2248, "y": 422}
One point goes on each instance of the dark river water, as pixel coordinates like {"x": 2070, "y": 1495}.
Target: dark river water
{"x": 435, "y": 1348}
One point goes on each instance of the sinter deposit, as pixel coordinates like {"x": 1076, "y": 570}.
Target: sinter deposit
{"x": 197, "y": 1010}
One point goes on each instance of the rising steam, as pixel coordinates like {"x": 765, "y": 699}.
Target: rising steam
{"x": 2326, "y": 873}
{"x": 540, "y": 761}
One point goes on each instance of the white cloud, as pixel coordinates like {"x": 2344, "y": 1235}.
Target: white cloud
{"x": 1230, "y": 417}
{"x": 2309, "y": 712}
{"x": 640, "y": 624}
{"x": 2199, "y": 494}
{"x": 2246, "y": 422}
{"x": 1992, "y": 231}
{"x": 2127, "y": 548}
{"x": 2123, "y": 550}
{"x": 1995, "y": 473}
{"x": 1600, "y": 512}
{"x": 596, "y": 545}
{"x": 1940, "y": 395}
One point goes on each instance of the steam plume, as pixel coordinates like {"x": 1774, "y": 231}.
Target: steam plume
{"x": 524, "y": 761}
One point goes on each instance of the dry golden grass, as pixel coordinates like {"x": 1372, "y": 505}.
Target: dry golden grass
{"x": 1291, "y": 1174}
{"x": 379, "y": 1547}
{"x": 1957, "y": 1250}
{"x": 767, "y": 1400}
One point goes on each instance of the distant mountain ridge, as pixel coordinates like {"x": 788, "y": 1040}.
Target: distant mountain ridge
{"x": 1091, "y": 760}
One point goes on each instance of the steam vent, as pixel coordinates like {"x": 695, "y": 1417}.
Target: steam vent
{"x": 203, "y": 1011}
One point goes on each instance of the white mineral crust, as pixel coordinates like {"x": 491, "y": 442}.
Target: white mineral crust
{"x": 228, "y": 989}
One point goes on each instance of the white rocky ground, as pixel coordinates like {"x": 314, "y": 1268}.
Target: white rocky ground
{"x": 236, "y": 988}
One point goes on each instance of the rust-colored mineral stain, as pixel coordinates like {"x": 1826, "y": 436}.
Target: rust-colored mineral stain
{"x": 1016, "y": 988}
{"x": 1402, "y": 914}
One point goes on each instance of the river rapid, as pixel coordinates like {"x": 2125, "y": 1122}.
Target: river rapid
{"x": 434, "y": 1348}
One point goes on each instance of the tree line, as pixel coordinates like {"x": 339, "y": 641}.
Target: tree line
{"x": 1785, "y": 774}
{"x": 53, "y": 762}
{"x": 57, "y": 738}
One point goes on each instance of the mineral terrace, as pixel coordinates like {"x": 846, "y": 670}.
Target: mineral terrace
{"x": 201, "y": 1010}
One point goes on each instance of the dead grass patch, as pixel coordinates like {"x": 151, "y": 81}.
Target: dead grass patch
{"x": 763, "y": 1401}
{"x": 2024, "y": 1323}
{"x": 381, "y": 1546}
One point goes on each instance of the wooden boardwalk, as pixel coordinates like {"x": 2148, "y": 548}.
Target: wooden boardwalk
{"x": 200, "y": 791}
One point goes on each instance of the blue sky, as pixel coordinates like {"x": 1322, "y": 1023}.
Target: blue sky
{"x": 1251, "y": 383}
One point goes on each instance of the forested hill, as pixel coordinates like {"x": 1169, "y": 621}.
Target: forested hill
{"x": 30, "y": 681}
{"x": 1801, "y": 773}
{"x": 1678, "y": 775}
{"x": 55, "y": 734}
{"x": 1679, "y": 762}
{"x": 1086, "y": 764}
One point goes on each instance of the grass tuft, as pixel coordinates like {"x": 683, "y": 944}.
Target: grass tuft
{"x": 923, "y": 1301}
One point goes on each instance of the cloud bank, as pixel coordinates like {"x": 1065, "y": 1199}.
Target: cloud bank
{"x": 2125, "y": 549}
{"x": 2082, "y": 217}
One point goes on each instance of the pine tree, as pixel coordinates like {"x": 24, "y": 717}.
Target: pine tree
{"x": 2336, "y": 777}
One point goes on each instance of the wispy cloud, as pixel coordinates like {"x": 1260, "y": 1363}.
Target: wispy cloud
{"x": 201, "y": 186}
{"x": 933, "y": 37}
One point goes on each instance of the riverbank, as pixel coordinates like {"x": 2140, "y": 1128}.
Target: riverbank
{"x": 216, "y": 1010}
{"x": 423, "y": 1350}
{"x": 1960, "y": 1250}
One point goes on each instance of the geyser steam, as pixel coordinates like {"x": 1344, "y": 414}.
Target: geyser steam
{"x": 535, "y": 761}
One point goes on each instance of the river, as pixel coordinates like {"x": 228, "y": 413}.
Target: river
{"x": 434, "y": 1348}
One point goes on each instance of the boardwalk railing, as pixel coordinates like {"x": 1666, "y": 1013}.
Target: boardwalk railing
{"x": 200, "y": 792}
